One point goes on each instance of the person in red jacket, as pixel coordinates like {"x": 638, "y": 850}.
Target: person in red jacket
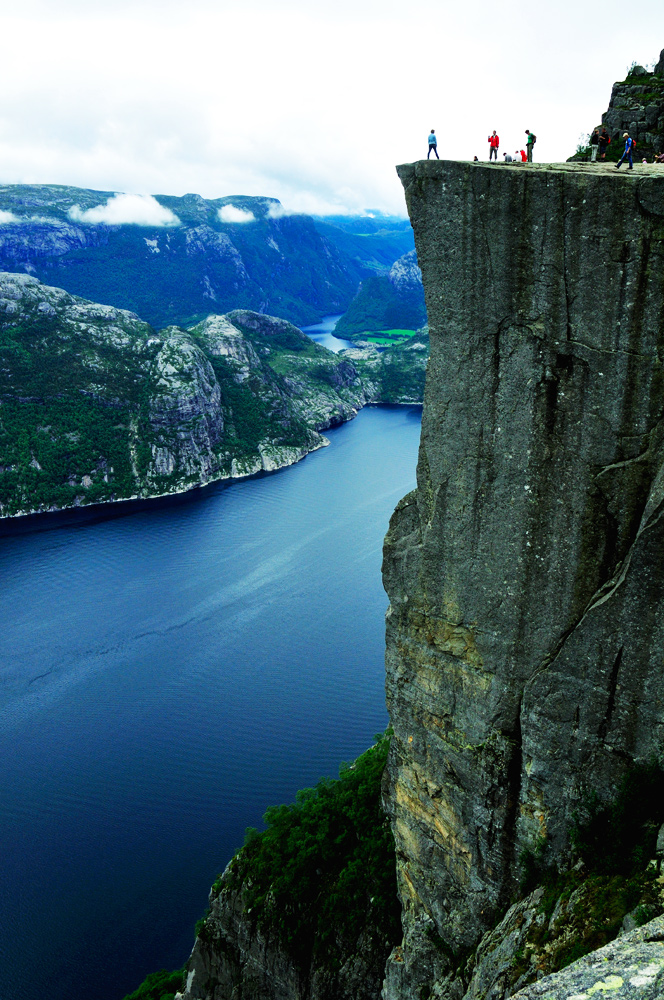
{"x": 494, "y": 142}
{"x": 524, "y": 158}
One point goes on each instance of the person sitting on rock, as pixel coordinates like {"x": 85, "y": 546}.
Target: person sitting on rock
{"x": 629, "y": 145}
{"x": 523, "y": 155}
{"x": 494, "y": 142}
{"x": 433, "y": 144}
{"x": 658, "y": 158}
{"x": 508, "y": 158}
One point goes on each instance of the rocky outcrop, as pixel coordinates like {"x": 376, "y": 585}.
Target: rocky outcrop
{"x": 636, "y": 106}
{"x": 307, "y": 909}
{"x": 526, "y": 620}
{"x": 631, "y": 968}
{"x": 234, "y": 960}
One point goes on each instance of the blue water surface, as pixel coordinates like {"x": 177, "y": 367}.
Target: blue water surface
{"x": 164, "y": 677}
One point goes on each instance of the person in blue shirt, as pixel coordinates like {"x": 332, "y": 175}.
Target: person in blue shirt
{"x": 629, "y": 145}
{"x": 433, "y": 144}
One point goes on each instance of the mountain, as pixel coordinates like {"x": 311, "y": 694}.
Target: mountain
{"x": 393, "y": 301}
{"x": 96, "y": 406}
{"x": 182, "y": 258}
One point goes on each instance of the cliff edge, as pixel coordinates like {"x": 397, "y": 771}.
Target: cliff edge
{"x": 525, "y": 629}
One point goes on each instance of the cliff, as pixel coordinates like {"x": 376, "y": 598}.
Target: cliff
{"x": 525, "y": 629}
{"x": 96, "y": 406}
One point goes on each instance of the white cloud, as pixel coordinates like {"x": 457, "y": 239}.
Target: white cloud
{"x": 7, "y": 217}
{"x": 229, "y": 213}
{"x": 121, "y": 209}
{"x": 277, "y": 211}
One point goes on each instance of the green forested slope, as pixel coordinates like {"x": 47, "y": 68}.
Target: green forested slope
{"x": 95, "y": 405}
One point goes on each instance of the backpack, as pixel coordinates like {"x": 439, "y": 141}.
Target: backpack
{"x": 533, "y": 137}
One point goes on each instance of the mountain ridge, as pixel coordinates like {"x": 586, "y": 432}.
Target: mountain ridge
{"x": 173, "y": 259}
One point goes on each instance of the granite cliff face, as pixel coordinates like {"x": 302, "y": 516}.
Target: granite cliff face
{"x": 526, "y": 621}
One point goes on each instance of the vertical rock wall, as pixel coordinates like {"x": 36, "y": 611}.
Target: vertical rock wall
{"x": 525, "y": 636}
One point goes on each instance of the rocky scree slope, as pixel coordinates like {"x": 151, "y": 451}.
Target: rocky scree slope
{"x": 387, "y": 302}
{"x": 524, "y": 671}
{"x": 177, "y": 274}
{"x": 95, "y": 405}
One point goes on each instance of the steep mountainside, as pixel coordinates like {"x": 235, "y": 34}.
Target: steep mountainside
{"x": 188, "y": 257}
{"x": 387, "y": 302}
{"x": 526, "y": 621}
{"x": 95, "y": 405}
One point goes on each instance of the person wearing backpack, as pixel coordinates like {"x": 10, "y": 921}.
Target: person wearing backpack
{"x": 630, "y": 146}
{"x": 530, "y": 142}
{"x": 594, "y": 145}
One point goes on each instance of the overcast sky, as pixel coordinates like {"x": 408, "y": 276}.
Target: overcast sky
{"x": 309, "y": 102}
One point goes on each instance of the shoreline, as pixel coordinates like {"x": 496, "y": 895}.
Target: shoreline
{"x": 33, "y": 520}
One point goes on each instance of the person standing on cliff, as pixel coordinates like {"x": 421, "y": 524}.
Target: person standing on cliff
{"x": 494, "y": 143}
{"x": 629, "y": 144}
{"x": 594, "y": 145}
{"x": 530, "y": 142}
{"x": 433, "y": 144}
{"x": 604, "y": 140}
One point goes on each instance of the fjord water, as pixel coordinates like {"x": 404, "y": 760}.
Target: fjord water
{"x": 164, "y": 677}
{"x": 323, "y": 334}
